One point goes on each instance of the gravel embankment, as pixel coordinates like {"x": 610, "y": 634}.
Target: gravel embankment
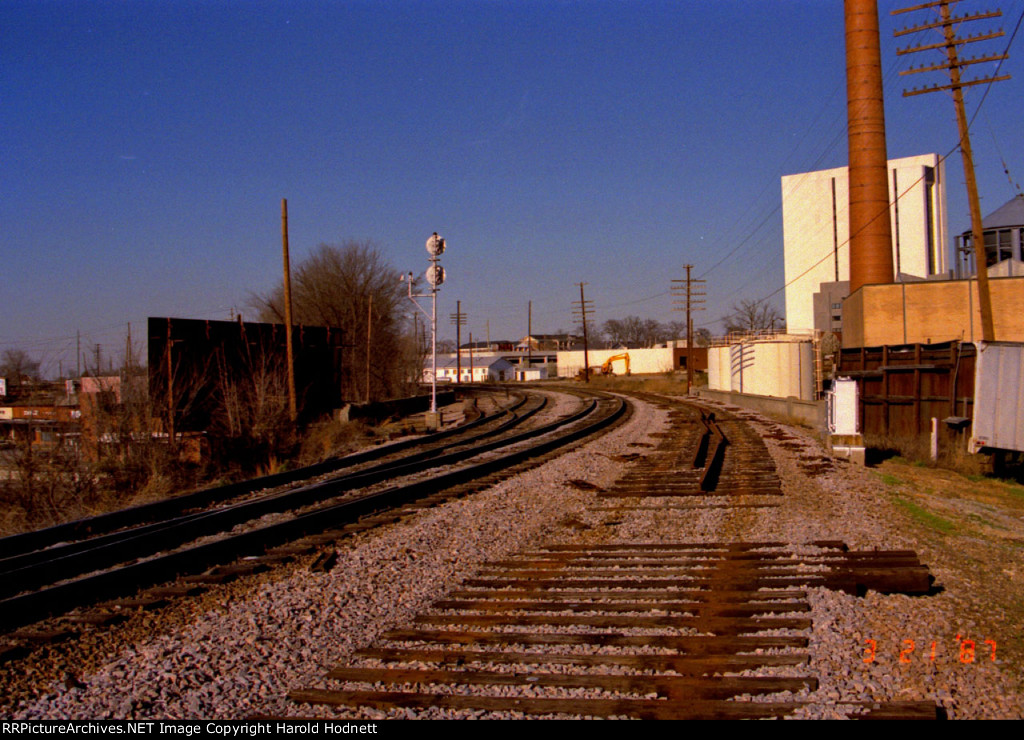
{"x": 237, "y": 650}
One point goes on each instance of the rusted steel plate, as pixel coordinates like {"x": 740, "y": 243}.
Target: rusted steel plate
{"x": 690, "y": 645}
{"x": 639, "y": 596}
{"x": 901, "y": 710}
{"x": 720, "y": 625}
{"x": 671, "y": 686}
{"x": 637, "y": 708}
{"x": 691, "y": 665}
{"x": 735, "y": 609}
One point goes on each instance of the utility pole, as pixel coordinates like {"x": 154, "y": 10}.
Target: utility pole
{"x": 369, "y": 329}
{"x": 459, "y": 319}
{"x": 692, "y": 303}
{"x": 529, "y": 334}
{"x": 953, "y": 66}
{"x": 581, "y": 312}
{"x": 289, "y": 358}
{"x": 170, "y": 387}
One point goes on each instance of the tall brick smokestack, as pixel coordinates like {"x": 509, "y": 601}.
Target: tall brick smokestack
{"x": 870, "y": 232}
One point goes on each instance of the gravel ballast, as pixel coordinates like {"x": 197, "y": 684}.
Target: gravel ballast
{"x": 237, "y": 650}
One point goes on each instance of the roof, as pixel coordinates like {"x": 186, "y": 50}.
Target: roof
{"x": 1009, "y": 214}
{"x": 478, "y": 362}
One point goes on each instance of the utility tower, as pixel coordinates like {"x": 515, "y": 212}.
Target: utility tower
{"x": 459, "y": 319}
{"x": 943, "y": 21}
{"x": 692, "y": 302}
{"x": 580, "y": 312}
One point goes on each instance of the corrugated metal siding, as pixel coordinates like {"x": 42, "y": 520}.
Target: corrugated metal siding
{"x": 999, "y": 397}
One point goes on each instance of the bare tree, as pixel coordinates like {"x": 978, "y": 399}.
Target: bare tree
{"x": 353, "y": 287}
{"x": 18, "y": 368}
{"x": 753, "y": 316}
{"x": 634, "y": 331}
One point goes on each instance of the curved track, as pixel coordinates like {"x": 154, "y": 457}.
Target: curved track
{"x": 308, "y": 510}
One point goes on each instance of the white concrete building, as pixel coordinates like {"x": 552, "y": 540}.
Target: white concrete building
{"x": 641, "y": 361}
{"x": 482, "y": 370}
{"x": 816, "y": 230}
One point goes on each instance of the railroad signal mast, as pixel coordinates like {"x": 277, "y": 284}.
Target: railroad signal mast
{"x": 681, "y": 289}
{"x": 435, "y": 276}
{"x": 954, "y": 65}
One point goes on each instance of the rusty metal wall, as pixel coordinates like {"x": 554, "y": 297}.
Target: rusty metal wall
{"x": 206, "y": 354}
{"x": 903, "y": 386}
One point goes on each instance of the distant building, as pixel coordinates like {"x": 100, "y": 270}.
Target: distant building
{"x": 483, "y": 370}
{"x": 816, "y": 232}
{"x": 548, "y": 342}
{"x": 1003, "y": 231}
{"x": 650, "y": 360}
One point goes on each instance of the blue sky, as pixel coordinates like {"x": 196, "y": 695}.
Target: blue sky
{"x": 146, "y": 147}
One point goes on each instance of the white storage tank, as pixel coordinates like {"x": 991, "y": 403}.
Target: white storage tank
{"x": 719, "y": 373}
{"x": 772, "y": 367}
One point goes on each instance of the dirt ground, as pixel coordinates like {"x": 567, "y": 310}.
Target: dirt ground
{"x": 973, "y": 528}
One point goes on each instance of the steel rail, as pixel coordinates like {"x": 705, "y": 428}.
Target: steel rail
{"x": 46, "y": 566}
{"x": 27, "y": 608}
{"x": 159, "y": 510}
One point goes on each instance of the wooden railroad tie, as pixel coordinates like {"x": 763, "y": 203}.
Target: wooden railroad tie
{"x": 645, "y": 630}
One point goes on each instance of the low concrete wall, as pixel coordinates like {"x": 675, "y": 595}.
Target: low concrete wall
{"x": 811, "y": 413}
{"x": 381, "y": 410}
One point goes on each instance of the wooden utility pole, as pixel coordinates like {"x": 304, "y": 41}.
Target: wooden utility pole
{"x": 459, "y": 319}
{"x": 170, "y": 387}
{"x": 369, "y": 328}
{"x": 289, "y": 358}
{"x": 581, "y": 312}
{"x": 953, "y": 66}
{"x": 128, "y": 351}
{"x": 691, "y": 304}
{"x": 529, "y": 334}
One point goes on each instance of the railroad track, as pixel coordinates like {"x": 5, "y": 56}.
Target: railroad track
{"x": 631, "y": 628}
{"x": 329, "y": 509}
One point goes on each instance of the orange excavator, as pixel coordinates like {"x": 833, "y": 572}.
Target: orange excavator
{"x": 606, "y": 367}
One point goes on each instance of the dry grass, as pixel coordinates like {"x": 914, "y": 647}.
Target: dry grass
{"x": 953, "y": 454}
{"x": 334, "y": 438}
{"x": 667, "y": 383}
{"x": 972, "y": 526}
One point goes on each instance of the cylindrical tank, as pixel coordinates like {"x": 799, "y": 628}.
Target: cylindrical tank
{"x": 718, "y": 369}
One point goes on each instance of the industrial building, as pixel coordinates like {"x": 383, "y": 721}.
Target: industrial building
{"x": 935, "y": 311}
{"x": 1003, "y": 232}
{"x": 816, "y": 233}
{"x": 665, "y": 359}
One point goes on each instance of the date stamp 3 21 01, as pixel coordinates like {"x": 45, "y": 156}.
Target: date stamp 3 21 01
{"x": 965, "y": 649}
